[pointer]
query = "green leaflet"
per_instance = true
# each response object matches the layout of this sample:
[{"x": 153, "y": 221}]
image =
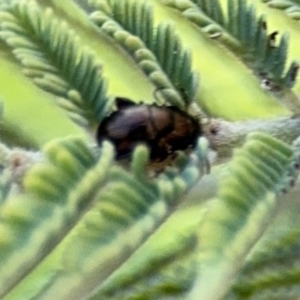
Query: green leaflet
[
  {"x": 63, "y": 229},
  {"x": 96, "y": 245},
  {"x": 246, "y": 202},
  {"x": 272, "y": 271},
  {"x": 246, "y": 35},
  {"x": 212, "y": 9},
  {"x": 130, "y": 23},
  {"x": 83, "y": 209},
  {"x": 51, "y": 56},
  {"x": 290, "y": 7},
  {"x": 36, "y": 222},
  {"x": 164, "y": 271}
]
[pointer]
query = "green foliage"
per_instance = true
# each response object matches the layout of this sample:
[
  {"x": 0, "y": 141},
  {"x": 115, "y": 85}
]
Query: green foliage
[
  {"x": 240, "y": 195},
  {"x": 49, "y": 54},
  {"x": 86, "y": 208},
  {"x": 77, "y": 224},
  {"x": 290, "y": 7},
  {"x": 245, "y": 34},
  {"x": 247, "y": 198},
  {"x": 272, "y": 272},
  {"x": 168, "y": 68}
]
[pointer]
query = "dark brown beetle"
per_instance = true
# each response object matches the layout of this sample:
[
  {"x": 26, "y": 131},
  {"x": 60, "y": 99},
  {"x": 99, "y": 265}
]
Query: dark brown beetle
[{"x": 164, "y": 129}]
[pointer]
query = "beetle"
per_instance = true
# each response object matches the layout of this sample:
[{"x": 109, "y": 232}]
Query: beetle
[{"x": 164, "y": 129}]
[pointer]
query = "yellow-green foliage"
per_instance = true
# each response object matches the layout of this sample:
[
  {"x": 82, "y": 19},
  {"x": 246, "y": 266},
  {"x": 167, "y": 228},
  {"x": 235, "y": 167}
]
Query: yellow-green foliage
[{"x": 80, "y": 225}]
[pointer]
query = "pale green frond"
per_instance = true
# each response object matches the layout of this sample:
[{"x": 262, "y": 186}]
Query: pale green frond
[
  {"x": 243, "y": 32},
  {"x": 128, "y": 210},
  {"x": 256, "y": 173},
  {"x": 162, "y": 40},
  {"x": 136, "y": 17},
  {"x": 290, "y": 7},
  {"x": 213, "y": 9},
  {"x": 175, "y": 61},
  {"x": 157, "y": 50},
  {"x": 262, "y": 51},
  {"x": 193, "y": 13},
  {"x": 51, "y": 56},
  {"x": 80, "y": 225},
  {"x": 167, "y": 275},
  {"x": 272, "y": 272},
  {"x": 246, "y": 202},
  {"x": 83, "y": 210},
  {"x": 57, "y": 196}
]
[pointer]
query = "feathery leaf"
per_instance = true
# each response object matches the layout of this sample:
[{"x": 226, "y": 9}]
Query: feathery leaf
[
  {"x": 246, "y": 35},
  {"x": 50, "y": 54},
  {"x": 157, "y": 50},
  {"x": 290, "y": 7},
  {"x": 56, "y": 199},
  {"x": 272, "y": 271},
  {"x": 91, "y": 207},
  {"x": 247, "y": 199},
  {"x": 166, "y": 275}
]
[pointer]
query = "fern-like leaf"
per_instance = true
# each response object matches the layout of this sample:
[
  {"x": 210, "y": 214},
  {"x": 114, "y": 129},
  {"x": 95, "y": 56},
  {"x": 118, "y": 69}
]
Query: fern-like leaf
[
  {"x": 290, "y": 7},
  {"x": 247, "y": 199},
  {"x": 91, "y": 207},
  {"x": 167, "y": 271},
  {"x": 212, "y": 9},
  {"x": 130, "y": 206},
  {"x": 39, "y": 221},
  {"x": 50, "y": 55},
  {"x": 272, "y": 272},
  {"x": 168, "y": 67},
  {"x": 246, "y": 35}
]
